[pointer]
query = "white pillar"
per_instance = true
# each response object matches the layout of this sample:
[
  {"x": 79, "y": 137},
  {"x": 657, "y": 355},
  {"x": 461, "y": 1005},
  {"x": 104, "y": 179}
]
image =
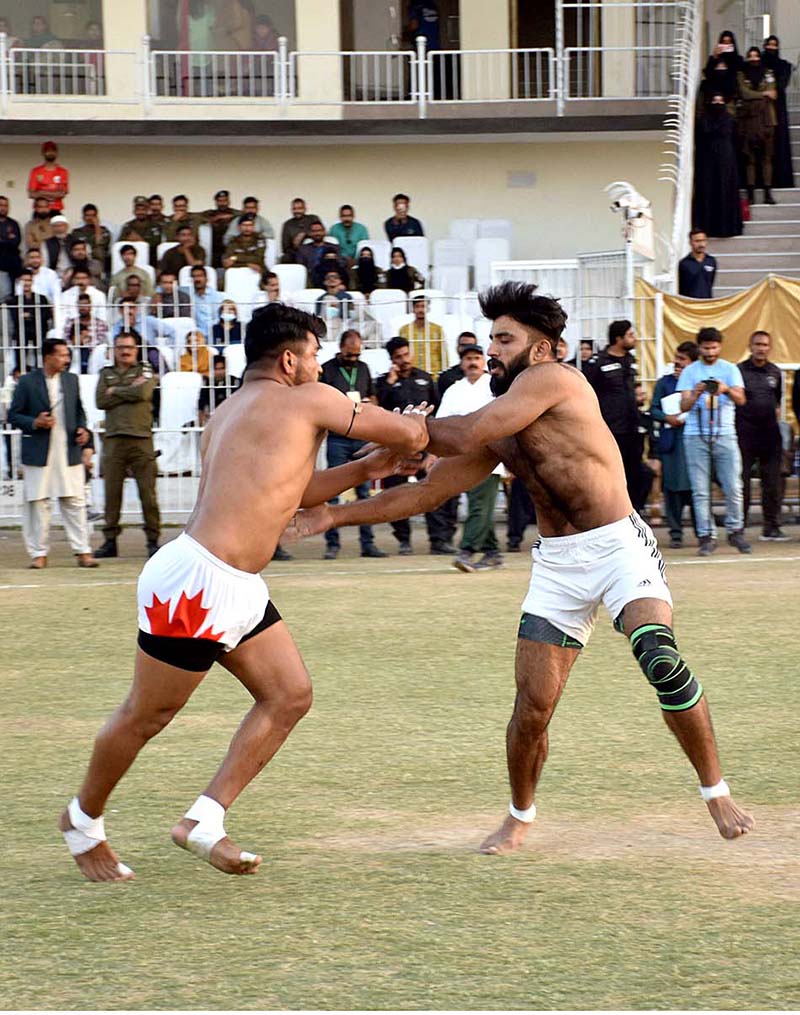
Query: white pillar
[
  {"x": 124, "y": 26},
  {"x": 318, "y": 27},
  {"x": 619, "y": 69},
  {"x": 485, "y": 76}
]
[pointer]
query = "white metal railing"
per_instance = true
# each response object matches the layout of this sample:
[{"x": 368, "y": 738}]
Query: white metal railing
[
  {"x": 365, "y": 77},
  {"x": 64, "y": 73},
  {"x": 618, "y": 72},
  {"x": 491, "y": 75},
  {"x": 212, "y": 75}
]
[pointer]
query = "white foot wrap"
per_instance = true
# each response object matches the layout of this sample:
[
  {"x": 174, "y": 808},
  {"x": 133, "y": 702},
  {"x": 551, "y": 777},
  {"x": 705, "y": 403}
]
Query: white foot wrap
[
  {"x": 209, "y": 829},
  {"x": 712, "y": 792},
  {"x": 86, "y": 833},
  {"x": 527, "y": 815}
]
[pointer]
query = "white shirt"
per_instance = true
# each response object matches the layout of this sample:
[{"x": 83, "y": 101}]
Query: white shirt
[
  {"x": 46, "y": 283},
  {"x": 464, "y": 397},
  {"x": 69, "y": 302}
]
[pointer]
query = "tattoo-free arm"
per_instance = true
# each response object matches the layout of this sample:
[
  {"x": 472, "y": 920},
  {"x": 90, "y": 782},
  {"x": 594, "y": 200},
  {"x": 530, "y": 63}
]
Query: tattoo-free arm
[
  {"x": 333, "y": 410},
  {"x": 328, "y": 483}
]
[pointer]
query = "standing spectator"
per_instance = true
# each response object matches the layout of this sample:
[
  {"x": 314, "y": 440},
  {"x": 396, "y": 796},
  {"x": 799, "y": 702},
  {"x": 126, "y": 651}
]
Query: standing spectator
[
  {"x": 80, "y": 260},
  {"x": 263, "y": 227},
  {"x": 38, "y": 228},
  {"x": 47, "y": 408},
  {"x": 234, "y": 28},
  {"x": 181, "y": 216},
  {"x": 782, "y": 169},
  {"x": 405, "y": 384},
  {"x": 710, "y": 390},
  {"x": 248, "y": 249},
  {"x": 757, "y": 427},
  {"x": 297, "y": 228},
  {"x": 758, "y": 119},
  {"x": 86, "y": 331},
  {"x": 587, "y": 351},
  {"x": 205, "y": 302},
  {"x": 6, "y": 398},
  {"x": 469, "y": 394},
  {"x": 131, "y": 268},
  {"x": 49, "y": 179},
  {"x": 366, "y": 275},
  {"x": 521, "y": 514},
  {"x": 45, "y": 280},
  {"x": 349, "y": 233},
  {"x": 188, "y": 251},
  {"x": 169, "y": 300},
  {"x": 227, "y": 330},
  {"x": 12, "y": 40},
  {"x": 10, "y": 241},
  {"x": 448, "y": 377},
  {"x": 40, "y": 36},
  {"x": 425, "y": 338},
  {"x": 402, "y": 275},
  {"x": 56, "y": 249},
  {"x": 310, "y": 252},
  {"x": 348, "y": 373},
  {"x": 696, "y": 271},
  {"x": 675, "y": 484},
  {"x": 612, "y": 374},
  {"x": 214, "y": 394},
  {"x": 95, "y": 235},
  {"x": 144, "y": 228},
  {"x": 717, "y": 209},
  {"x": 722, "y": 69},
  {"x": 265, "y": 37},
  {"x": 27, "y": 316},
  {"x": 125, "y": 392},
  {"x": 423, "y": 19},
  {"x": 220, "y": 218},
  {"x": 401, "y": 223}
]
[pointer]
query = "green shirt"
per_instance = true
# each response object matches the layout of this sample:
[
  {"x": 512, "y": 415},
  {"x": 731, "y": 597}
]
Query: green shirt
[
  {"x": 129, "y": 409},
  {"x": 349, "y": 237}
]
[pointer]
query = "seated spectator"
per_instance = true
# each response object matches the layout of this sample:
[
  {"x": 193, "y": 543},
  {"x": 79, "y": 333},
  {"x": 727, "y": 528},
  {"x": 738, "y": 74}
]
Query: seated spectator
[
  {"x": 86, "y": 331},
  {"x": 196, "y": 356},
  {"x": 366, "y": 275},
  {"x": 133, "y": 290},
  {"x": 130, "y": 268},
  {"x": 425, "y": 338},
  {"x": 402, "y": 275},
  {"x": 722, "y": 68},
  {"x": 45, "y": 280},
  {"x": 466, "y": 339},
  {"x": 401, "y": 223},
  {"x": 56, "y": 249},
  {"x": 248, "y": 249},
  {"x": 39, "y": 227},
  {"x": 310, "y": 252},
  {"x": 12, "y": 40},
  {"x": 214, "y": 394},
  {"x": 188, "y": 251},
  {"x": 205, "y": 302},
  {"x": 82, "y": 283},
  {"x": 263, "y": 227},
  {"x": 296, "y": 229},
  {"x": 27, "y": 316},
  {"x": 181, "y": 216},
  {"x": 97, "y": 238},
  {"x": 330, "y": 261},
  {"x": 265, "y": 37},
  {"x": 349, "y": 233},
  {"x": 696, "y": 271},
  {"x": 335, "y": 305},
  {"x": 144, "y": 228},
  {"x": 151, "y": 330},
  {"x": 40, "y": 33},
  {"x": 757, "y": 120},
  {"x": 168, "y": 299},
  {"x": 228, "y": 329},
  {"x": 270, "y": 287},
  {"x": 219, "y": 218},
  {"x": 81, "y": 261}
]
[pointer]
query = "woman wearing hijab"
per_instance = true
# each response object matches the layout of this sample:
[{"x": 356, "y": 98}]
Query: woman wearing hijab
[
  {"x": 757, "y": 121},
  {"x": 782, "y": 171},
  {"x": 367, "y": 276},
  {"x": 402, "y": 275},
  {"x": 717, "y": 210},
  {"x": 722, "y": 69},
  {"x": 196, "y": 357},
  {"x": 227, "y": 330}
]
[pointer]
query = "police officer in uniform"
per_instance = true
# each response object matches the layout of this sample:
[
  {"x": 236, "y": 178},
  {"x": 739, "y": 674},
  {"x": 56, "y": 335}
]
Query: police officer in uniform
[
  {"x": 246, "y": 250},
  {"x": 125, "y": 391},
  {"x": 220, "y": 217},
  {"x": 142, "y": 229}
]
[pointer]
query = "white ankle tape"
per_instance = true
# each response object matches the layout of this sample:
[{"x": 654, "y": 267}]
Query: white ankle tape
[
  {"x": 86, "y": 832},
  {"x": 712, "y": 792},
  {"x": 527, "y": 815},
  {"x": 209, "y": 815}
]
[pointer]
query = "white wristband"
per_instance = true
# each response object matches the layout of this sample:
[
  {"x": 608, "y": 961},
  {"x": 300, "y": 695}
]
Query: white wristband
[
  {"x": 526, "y": 816},
  {"x": 712, "y": 792}
]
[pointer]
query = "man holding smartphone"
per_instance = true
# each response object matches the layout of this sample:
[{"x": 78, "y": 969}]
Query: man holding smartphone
[{"x": 711, "y": 388}]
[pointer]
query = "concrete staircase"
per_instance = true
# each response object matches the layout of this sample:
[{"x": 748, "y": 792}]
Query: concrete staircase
[{"x": 770, "y": 243}]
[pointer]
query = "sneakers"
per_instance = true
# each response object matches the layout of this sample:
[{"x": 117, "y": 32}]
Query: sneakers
[
  {"x": 489, "y": 560},
  {"x": 707, "y": 546},
  {"x": 774, "y": 535},
  {"x": 281, "y": 554},
  {"x": 331, "y": 553},
  {"x": 108, "y": 549},
  {"x": 404, "y": 549},
  {"x": 373, "y": 551},
  {"x": 513, "y": 548},
  {"x": 676, "y": 544},
  {"x": 737, "y": 539},
  {"x": 463, "y": 561},
  {"x": 442, "y": 549}
]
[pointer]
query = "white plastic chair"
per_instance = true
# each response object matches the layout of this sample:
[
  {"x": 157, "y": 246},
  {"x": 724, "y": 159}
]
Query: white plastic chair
[
  {"x": 327, "y": 350},
  {"x": 488, "y": 249},
  {"x": 205, "y": 237},
  {"x": 453, "y": 325},
  {"x": 241, "y": 286},
  {"x": 495, "y": 229},
  {"x": 181, "y": 327},
  {"x": 292, "y": 277},
  {"x": 167, "y": 355},
  {"x": 416, "y": 250},
  {"x": 451, "y": 254},
  {"x": 113, "y": 228},
  {"x": 397, "y": 323},
  {"x": 306, "y": 299},
  {"x": 466, "y": 303},
  {"x": 142, "y": 254},
  {"x": 465, "y": 230},
  {"x": 235, "y": 360},
  {"x": 271, "y": 254},
  {"x": 332, "y": 240},
  {"x": 180, "y": 392},
  {"x": 87, "y": 385},
  {"x": 97, "y": 360},
  {"x": 162, "y": 248},
  {"x": 483, "y": 329},
  {"x": 377, "y": 360},
  {"x": 185, "y": 277},
  {"x": 437, "y": 301},
  {"x": 450, "y": 280},
  {"x": 386, "y": 304},
  {"x": 381, "y": 251}
]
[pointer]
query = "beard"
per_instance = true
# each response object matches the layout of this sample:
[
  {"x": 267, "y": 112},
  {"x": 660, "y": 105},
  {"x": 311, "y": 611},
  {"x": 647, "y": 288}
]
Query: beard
[{"x": 502, "y": 381}]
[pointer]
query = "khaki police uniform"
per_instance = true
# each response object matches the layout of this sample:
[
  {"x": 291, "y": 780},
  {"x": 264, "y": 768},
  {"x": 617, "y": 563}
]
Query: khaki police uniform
[
  {"x": 149, "y": 231},
  {"x": 218, "y": 229},
  {"x": 246, "y": 250},
  {"x": 128, "y": 444},
  {"x": 193, "y": 219}
]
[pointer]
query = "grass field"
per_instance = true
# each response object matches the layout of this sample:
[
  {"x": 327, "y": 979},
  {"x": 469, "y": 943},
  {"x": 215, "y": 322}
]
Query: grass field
[{"x": 372, "y": 894}]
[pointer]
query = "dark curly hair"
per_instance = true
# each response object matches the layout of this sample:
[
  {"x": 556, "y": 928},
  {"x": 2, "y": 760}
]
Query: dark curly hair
[
  {"x": 519, "y": 300},
  {"x": 276, "y": 327}
]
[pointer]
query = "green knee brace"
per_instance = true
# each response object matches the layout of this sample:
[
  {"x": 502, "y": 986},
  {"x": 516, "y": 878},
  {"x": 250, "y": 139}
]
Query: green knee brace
[{"x": 657, "y": 654}]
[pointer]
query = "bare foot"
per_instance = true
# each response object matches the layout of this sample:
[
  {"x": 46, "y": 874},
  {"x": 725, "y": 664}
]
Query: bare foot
[
  {"x": 225, "y": 855},
  {"x": 731, "y": 820},
  {"x": 508, "y": 837},
  {"x": 100, "y": 863}
]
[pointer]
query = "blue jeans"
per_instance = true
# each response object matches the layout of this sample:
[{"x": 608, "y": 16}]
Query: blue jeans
[
  {"x": 341, "y": 451},
  {"x": 728, "y": 473}
]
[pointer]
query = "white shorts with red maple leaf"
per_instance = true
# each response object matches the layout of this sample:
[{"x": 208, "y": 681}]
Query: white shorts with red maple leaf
[{"x": 186, "y": 592}]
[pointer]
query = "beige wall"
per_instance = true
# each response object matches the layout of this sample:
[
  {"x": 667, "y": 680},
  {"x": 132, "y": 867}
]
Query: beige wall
[{"x": 564, "y": 213}]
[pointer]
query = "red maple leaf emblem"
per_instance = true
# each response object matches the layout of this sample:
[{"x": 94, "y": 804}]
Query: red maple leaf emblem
[{"x": 189, "y": 617}]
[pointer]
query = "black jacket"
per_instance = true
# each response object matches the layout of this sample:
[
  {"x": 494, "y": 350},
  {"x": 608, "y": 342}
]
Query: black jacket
[
  {"x": 31, "y": 398},
  {"x": 614, "y": 381},
  {"x": 764, "y": 389},
  {"x": 418, "y": 387}
]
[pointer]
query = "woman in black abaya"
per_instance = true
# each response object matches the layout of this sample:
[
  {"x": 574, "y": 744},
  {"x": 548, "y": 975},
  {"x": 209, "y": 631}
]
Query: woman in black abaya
[
  {"x": 716, "y": 209},
  {"x": 721, "y": 69},
  {"x": 782, "y": 172}
]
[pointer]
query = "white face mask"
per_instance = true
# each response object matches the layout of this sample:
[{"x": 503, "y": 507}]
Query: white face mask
[{"x": 228, "y": 317}]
